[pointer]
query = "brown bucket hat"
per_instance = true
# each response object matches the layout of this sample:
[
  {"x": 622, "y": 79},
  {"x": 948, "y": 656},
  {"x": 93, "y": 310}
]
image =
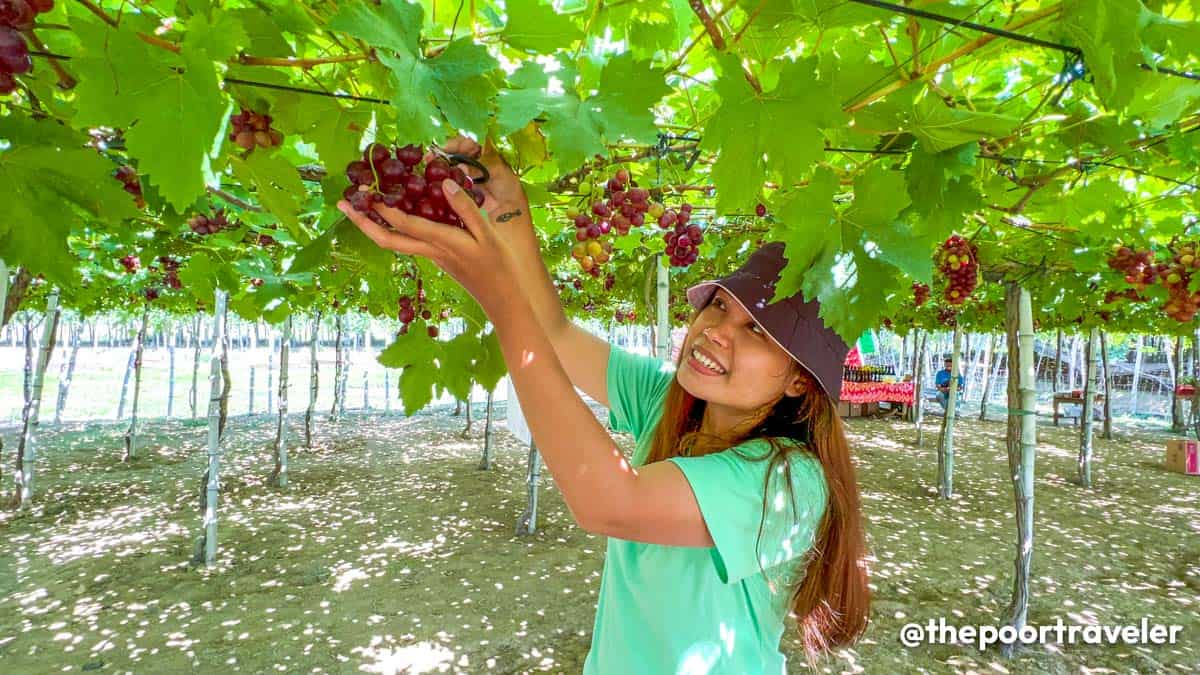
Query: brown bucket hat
[{"x": 793, "y": 323}]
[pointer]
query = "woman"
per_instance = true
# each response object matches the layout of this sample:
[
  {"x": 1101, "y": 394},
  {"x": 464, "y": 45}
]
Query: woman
[{"x": 739, "y": 506}]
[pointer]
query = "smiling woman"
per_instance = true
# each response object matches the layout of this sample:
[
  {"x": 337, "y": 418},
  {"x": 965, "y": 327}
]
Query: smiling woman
[{"x": 739, "y": 506}]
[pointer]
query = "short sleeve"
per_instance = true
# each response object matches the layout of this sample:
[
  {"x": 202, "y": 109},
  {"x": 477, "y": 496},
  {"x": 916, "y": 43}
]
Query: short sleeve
[
  {"x": 636, "y": 386},
  {"x": 730, "y": 487}
]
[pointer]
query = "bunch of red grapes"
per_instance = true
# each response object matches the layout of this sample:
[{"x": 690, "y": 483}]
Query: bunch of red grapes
[
  {"x": 947, "y": 317},
  {"x": 622, "y": 316},
  {"x": 202, "y": 224},
  {"x": 129, "y": 178},
  {"x": 623, "y": 207},
  {"x": 920, "y": 293},
  {"x": 958, "y": 262},
  {"x": 408, "y": 313},
  {"x": 17, "y": 16},
  {"x": 684, "y": 239},
  {"x": 170, "y": 267},
  {"x": 251, "y": 130},
  {"x": 399, "y": 178},
  {"x": 1181, "y": 304},
  {"x": 1137, "y": 266},
  {"x": 130, "y": 263}
]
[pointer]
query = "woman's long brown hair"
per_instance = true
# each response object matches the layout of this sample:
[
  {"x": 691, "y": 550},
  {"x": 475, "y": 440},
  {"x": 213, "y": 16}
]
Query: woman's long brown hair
[{"x": 831, "y": 603}]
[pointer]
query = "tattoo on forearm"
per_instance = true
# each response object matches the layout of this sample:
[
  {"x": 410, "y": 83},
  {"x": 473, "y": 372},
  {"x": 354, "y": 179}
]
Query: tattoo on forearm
[{"x": 505, "y": 217}]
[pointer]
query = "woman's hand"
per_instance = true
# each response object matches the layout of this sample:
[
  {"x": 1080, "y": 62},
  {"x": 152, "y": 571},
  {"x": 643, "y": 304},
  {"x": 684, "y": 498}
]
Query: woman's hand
[
  {"x": 503, "y": 195},
  {"x": 475, "y": 255}
]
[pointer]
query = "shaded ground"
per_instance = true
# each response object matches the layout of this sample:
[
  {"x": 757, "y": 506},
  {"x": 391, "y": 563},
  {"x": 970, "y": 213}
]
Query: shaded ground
[{"x": 391, "y": 552}]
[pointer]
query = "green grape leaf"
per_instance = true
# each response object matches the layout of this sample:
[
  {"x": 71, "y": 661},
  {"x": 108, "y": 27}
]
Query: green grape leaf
[
  {"x": 334, "y": 129},
  {"x": 46, "y": 169},
  {"x": 490, "y": 366},
  {"x": 538, "y": 28},
  {"x": 858, "y": 294},
  {"x": 1110, "y": 34},
  {"x": 277, "y": 182},
  {"x": 220, "y": 39},
  {"x": 808, "y": 229},
  {"x": 939, "y": 127},
  {"x": 394, "y": 24},
  {"x": 456, "y": 364},
  {"x": 785, "y": 122},
  {"x": 879, "y": 195},
  {"x": 160, "y": 96},
  {"x": 417, "y": 385}
]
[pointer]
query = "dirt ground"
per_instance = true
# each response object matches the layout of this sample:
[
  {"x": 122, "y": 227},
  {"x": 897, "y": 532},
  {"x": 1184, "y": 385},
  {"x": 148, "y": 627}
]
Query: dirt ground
[{"x": 390, "y": 552}]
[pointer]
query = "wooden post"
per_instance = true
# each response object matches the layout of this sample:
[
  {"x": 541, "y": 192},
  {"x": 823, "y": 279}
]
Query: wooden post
[
  {"x": 206, "y": 545},
  {"x": 1107, "y": 387},
  {"x": 1021, "y": 443},
  {"x": 312, "y": 380},
  {"x": 1085, "y": 424},
  {"x": 662, "y": 319},
  {"x": 527, "y": 523},
  {"x": 279, "y": 477},
  {"x": 486, "y": 462}
]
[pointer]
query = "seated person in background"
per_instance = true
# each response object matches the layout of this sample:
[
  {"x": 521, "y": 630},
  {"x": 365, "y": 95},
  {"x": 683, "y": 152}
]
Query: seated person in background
[{"x": 942, "y": 381}]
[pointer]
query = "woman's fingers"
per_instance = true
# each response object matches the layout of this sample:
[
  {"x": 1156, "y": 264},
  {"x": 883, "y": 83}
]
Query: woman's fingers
[
  {"x": 460, "y": 200},
  {"x": 394, "y": 241},
  {"x": 445, "y": 237}
]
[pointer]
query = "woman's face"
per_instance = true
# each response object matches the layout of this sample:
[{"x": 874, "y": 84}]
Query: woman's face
[{"x": 736, "y": 367}]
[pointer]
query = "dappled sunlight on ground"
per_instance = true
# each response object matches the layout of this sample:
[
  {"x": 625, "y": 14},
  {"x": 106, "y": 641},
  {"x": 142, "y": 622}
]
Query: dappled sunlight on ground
[{"x": 391, "y": 552}]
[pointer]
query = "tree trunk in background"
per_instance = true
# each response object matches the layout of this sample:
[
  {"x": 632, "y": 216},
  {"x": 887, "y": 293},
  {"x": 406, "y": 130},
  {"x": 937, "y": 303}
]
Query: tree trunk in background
[
  {"x": 337, "y": 369},
  {"x": 1085, "y": 425},
  {"x": 195, "y": 363},
  {"x": 131, "y": 432},
  {"x": 27, "y": 445},
  {"x": 486, "y": 462},
  {"x": 64, "y": 385},
  {"x": 1058, "y": 361},
  {"x": 227, "y": 379},
  {"x": 210, "y": 486},
  {"x": 1107, "y": 387},
  {"x": 918, "y": 400},
  {"x": 946, "y": 441},
  {"x": 1021, "y": 443},
  {"x": 1176, "y": 403},
  {"x": 1071, "y": 371},
  {"x": 171, "y": 340},
  {"x": 366, "y": 391},
  {"x": 125, "y": 383},
  {"x": 987, "y": 376},
  {"x": 466, "y": 432},
  {"x": 312, "y": 381},
  {"x": 279, "y": 476},
  {"x": 15, "y": 293},
  {"x": 271, "y": 371},
  {"x": 1137, "y": 374},
  {"x": 251, "y": 403}
]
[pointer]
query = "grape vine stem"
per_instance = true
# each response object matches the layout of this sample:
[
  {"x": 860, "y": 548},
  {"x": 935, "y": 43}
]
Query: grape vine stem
[
  {"x": 240, "y": 203},
  {"x": 65, "y": 79},
  {"x": 244, "y": 59},
  {"x": 968, "y": 48}
]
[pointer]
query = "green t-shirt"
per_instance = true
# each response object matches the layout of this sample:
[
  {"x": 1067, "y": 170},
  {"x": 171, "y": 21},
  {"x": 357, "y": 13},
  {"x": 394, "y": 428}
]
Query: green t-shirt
[{"x": 678, "y": 609}]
